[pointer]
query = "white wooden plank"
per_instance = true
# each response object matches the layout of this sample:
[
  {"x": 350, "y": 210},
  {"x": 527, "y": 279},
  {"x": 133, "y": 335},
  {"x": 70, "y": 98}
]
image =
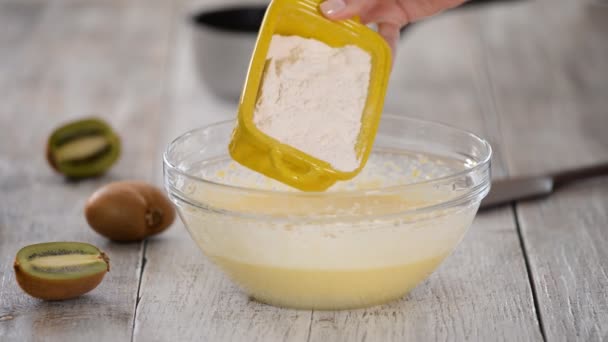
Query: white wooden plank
[
  {"x": 566, "y": 241},
  {"x": 71, "y": 60},
  {"x": 550, "y": 80}
]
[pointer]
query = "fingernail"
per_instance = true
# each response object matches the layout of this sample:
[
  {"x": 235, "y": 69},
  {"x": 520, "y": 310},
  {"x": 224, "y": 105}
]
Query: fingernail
[{"x": 331, "y": 7}]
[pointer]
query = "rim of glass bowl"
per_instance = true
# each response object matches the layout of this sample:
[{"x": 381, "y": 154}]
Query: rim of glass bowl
[{"x": 483, "y": 164}]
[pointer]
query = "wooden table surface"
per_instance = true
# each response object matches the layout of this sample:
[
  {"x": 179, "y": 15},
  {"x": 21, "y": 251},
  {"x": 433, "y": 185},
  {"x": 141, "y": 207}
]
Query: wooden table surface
[{"x": 531, "y": 76}]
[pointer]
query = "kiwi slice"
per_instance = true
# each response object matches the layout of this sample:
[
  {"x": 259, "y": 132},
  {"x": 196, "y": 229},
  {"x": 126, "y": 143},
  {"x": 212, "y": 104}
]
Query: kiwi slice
[
  {"x": 83, "y": 148},
  {"x": 60, "y": 270}
]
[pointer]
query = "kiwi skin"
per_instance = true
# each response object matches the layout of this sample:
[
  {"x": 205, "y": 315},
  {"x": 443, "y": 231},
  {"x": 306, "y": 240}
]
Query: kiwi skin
[{"x": 58, "y": 289}]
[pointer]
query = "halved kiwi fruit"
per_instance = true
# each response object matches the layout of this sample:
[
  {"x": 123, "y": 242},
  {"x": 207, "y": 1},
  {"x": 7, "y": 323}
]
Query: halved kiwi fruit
[
  {"x": 60, "y": 270},
  {"x": 83, "y": 148}
]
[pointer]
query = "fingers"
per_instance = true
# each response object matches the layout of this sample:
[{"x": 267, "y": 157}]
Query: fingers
[
  {"x": 370, "y": 11},
  {"x": 391, "y": 34},
  {"x": 343, "y": 9}
]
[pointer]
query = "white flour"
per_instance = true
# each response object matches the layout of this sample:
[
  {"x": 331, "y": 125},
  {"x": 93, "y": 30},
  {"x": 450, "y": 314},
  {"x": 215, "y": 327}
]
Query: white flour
[{"x": 312, "y": 98}]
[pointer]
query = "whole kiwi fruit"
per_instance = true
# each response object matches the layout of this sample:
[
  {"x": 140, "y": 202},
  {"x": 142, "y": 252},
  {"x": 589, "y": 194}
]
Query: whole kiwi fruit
[{"x": 129, "y": 211}]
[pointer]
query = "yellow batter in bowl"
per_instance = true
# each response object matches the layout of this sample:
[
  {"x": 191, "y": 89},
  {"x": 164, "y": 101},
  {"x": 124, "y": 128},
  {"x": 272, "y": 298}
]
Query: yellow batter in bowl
[{"x": 364, "y": 242}]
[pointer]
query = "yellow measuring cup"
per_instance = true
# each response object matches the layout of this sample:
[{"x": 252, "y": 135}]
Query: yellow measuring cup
[{"x": 264, "y": 154}]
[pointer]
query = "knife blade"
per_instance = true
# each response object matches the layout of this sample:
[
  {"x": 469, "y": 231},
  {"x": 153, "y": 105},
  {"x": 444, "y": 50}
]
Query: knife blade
[{"x": 510, "y": 190}]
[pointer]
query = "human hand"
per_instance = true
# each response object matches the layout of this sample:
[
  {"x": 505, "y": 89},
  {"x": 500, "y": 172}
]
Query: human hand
[{"x": 389, "y": 15}]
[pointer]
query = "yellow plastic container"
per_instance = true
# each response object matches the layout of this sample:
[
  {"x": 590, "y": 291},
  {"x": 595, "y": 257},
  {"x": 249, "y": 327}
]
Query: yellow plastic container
[{"x": 264, "y": 154}]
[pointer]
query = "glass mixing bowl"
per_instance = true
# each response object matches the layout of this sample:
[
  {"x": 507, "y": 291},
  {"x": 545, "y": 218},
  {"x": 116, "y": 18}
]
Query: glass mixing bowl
[{"x": 363, "y": 242}]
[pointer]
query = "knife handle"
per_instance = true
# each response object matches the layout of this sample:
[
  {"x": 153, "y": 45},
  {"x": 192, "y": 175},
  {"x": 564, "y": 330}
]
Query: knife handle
[{"x": 563, "y": 178}]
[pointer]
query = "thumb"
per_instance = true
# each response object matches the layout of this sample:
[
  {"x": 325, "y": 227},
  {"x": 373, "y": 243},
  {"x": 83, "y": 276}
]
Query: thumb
[{"x": 343, "y": 9}]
